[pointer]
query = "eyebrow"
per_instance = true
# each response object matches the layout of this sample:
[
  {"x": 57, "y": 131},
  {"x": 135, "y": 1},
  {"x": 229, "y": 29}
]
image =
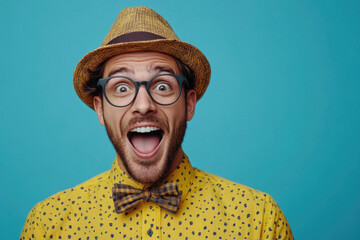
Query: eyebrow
[
  {"x": 167, "y": 69},
  {"x": 120, "y": 70}
]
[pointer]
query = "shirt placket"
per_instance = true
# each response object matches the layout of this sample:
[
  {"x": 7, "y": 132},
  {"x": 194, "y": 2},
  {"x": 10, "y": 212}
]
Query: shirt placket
[{"x": 151, "y": 225}]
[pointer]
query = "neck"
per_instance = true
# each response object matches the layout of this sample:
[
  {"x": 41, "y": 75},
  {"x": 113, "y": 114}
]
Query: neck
[{"x": 177, "y": 160}]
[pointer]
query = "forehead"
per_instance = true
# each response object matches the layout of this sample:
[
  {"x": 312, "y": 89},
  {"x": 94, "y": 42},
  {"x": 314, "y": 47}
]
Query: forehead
[{"x": 141, "y": 61}]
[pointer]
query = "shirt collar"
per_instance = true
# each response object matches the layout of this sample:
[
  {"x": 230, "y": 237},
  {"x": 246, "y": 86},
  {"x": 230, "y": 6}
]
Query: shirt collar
[{"x": 182, "y": 175}]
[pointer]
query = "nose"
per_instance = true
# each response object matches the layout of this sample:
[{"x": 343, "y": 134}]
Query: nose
[{"x": 143, "y": 104}]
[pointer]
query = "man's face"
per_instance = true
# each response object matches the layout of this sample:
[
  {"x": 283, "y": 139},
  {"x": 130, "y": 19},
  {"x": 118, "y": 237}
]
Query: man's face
[{"x": 147, "y": 137}]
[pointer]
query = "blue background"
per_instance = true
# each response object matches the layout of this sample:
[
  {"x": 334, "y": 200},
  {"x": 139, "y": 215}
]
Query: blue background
[{"x": 281, "y": 113}]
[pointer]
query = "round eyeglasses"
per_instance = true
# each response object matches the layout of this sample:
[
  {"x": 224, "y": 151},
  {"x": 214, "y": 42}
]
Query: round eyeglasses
[{"x": 121, "y": 91}]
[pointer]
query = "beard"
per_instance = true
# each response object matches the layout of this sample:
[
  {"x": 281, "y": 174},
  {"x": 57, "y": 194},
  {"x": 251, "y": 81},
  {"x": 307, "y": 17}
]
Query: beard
[{"x": 156, "y": 170}]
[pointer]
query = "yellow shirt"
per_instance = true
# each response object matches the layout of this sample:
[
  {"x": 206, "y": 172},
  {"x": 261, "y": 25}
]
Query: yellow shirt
[{"x": 211, "y": 208}]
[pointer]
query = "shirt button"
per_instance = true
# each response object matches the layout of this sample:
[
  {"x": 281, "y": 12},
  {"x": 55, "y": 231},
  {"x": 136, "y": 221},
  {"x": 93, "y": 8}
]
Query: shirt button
[{"x": 150, "y": 232}]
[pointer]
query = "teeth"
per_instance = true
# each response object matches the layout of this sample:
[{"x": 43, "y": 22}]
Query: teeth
[{"x": 145, "y": 129}]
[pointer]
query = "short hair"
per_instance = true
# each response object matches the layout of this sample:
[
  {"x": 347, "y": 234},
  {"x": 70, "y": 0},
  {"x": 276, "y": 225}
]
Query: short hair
[{"x": 92, "y": 89}]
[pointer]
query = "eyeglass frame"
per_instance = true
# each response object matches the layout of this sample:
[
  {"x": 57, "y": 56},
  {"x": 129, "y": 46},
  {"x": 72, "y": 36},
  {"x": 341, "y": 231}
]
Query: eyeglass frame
[{"x": 180, "y": 78}]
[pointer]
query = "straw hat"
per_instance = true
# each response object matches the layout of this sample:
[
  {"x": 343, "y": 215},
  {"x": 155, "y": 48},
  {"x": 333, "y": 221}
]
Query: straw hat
[{"x": 142, "y": 29}]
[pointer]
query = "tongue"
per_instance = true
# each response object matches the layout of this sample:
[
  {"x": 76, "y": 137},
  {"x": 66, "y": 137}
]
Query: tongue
[{"x": 145, "y": 144}]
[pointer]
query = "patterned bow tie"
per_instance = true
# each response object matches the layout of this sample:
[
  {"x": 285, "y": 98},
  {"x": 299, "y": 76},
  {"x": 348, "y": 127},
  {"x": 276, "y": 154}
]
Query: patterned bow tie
[{"x": 166, "y": 196}]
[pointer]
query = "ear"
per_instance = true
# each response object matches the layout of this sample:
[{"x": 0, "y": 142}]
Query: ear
[
  {"x": 98, "y": 106},
  {"x": 190, "y": 104}
]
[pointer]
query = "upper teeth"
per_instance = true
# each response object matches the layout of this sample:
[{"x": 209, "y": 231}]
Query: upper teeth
[{"x": 145, "y": 129}]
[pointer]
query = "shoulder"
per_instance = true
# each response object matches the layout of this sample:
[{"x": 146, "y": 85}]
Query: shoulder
[
  {"x": 229, "y": 191},
  {"x": 249, "y": 203},
  {"x": 80, "y": 194},
  {"x": 226, "y": 185},
  {"x": 74, "y": 201}
]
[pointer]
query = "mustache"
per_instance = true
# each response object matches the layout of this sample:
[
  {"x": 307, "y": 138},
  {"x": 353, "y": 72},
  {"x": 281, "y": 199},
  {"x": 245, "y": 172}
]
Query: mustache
[{"x": 159, "y": 121}]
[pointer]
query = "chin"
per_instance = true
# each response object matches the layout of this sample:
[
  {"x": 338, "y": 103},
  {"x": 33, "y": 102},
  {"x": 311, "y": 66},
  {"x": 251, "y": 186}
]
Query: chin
[{"x": 147, "y": 171}]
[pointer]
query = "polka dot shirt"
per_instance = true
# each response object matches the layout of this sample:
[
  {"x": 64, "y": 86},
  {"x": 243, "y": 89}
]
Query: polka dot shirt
[{"x": 211, "y": 208}]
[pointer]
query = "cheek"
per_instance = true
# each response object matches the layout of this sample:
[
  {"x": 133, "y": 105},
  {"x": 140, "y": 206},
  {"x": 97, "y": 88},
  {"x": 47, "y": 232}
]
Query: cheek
[
  {"x": 176, "y": 115},
  {"x": 114, "y": 118}
]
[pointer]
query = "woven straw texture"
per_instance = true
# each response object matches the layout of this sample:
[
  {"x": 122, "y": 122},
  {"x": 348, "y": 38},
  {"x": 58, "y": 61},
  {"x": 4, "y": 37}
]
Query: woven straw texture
[
  {"x": 142, "y": 19},
  {"x": 139, "y": 19}
]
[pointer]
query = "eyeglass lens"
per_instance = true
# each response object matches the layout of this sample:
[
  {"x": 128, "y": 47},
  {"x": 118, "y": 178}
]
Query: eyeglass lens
[{"x": 164, "y": 89}]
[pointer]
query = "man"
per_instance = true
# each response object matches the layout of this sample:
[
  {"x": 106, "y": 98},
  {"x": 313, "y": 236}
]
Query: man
[{"x": 143, "y": 83}]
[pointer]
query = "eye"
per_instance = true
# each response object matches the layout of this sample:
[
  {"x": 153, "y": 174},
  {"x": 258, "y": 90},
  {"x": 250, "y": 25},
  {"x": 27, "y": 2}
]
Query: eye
[
  {"x": 122, "y": 89},
  {"x": 163, "y": 87}
]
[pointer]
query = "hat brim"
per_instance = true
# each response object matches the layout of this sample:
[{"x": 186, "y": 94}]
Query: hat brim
[{"x": 185, "y": 52}]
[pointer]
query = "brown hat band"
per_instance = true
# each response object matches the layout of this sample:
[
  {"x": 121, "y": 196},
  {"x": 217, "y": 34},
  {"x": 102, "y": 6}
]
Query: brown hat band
[{"x": 135, "y": 37}]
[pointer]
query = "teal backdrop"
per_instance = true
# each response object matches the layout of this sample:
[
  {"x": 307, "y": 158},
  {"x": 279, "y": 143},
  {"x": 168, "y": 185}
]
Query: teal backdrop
[{"x": 281, "y": 113}]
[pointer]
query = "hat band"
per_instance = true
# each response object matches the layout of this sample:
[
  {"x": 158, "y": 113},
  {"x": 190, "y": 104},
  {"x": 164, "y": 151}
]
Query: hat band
[{"x": 135, "y": 37}]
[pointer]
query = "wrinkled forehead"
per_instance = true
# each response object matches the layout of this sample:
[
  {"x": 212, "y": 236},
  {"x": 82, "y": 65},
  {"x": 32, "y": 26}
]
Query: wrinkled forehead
[{"x": 141, "y": 61}]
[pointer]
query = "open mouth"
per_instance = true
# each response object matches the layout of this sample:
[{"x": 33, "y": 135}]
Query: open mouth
[{"x": 145, "y": 140}]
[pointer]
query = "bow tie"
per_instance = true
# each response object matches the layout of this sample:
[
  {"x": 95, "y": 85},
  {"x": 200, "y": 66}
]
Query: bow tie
[{"x": 166, "y": 196}]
